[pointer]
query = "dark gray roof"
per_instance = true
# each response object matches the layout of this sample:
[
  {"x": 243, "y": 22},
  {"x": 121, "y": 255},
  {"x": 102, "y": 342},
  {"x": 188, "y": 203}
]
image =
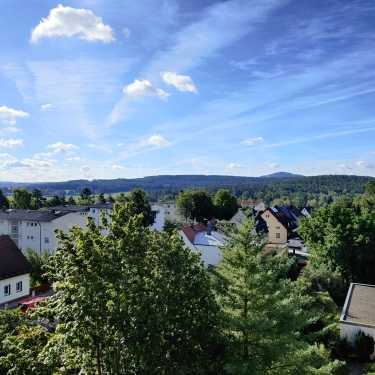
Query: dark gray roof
[
  {"x": 13, "y": 262},
  {"x": 70, "y": 208},
  {"x": 31, "y": 215},
  {"x": 359, "y": 308},
  {"x": 108, "y": 205}
]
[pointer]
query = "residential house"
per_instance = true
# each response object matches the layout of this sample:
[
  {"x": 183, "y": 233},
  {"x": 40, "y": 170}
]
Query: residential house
[
  {"x": 163, "y": 212},
  {"x": 282, "y": 223},
  {"x": 239, "y": 218},
  {"x": 358, "y": 313},
  {"x": 204, "y": 240},
  {"x": 35, "y": 229},
  {"x": 14, "y": 272}
]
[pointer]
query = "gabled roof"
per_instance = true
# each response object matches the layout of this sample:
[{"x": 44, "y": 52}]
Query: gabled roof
[
  {"x": 12, "y": 261},
  {"x": 359, "y": 307},
  {"x": 191, "y": 231},
  {"x": 31, "y": 215},
  {"x": 288, "y": 216}
]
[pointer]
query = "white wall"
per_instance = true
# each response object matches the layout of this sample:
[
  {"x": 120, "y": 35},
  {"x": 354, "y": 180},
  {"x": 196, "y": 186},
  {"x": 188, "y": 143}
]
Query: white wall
[
  {"x": 350, "y": 331},
  {"x": 12, "y": 281}
]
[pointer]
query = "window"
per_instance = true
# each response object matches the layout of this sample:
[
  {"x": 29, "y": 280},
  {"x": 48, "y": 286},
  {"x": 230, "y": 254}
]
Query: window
[
  {"x": 19, "y": 286},
  {"x": 277, "y": 227},
  {"x": 277, "y": 235},
  {"x": 46, "y": 240},
  {"x": 7, "y": 290}
]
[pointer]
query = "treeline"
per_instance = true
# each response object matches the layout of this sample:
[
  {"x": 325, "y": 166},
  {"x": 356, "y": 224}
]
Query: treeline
[{"x": 158, "y": 186}]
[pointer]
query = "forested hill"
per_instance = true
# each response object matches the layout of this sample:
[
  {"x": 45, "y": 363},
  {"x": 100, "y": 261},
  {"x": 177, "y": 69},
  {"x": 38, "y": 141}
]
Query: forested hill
[{"x": 171, "y": 184}]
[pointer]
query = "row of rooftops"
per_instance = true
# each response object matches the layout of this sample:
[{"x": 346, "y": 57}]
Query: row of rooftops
[{"x": 49, "y": 214}]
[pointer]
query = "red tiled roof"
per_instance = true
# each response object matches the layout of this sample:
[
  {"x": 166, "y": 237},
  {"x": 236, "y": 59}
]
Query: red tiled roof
[
  {"x": 31, "y": 301},
  {"x": 191, "y": 231}
]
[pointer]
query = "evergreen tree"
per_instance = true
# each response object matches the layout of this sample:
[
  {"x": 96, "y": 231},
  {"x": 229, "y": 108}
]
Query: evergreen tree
[{"x": 263, "y": 314}]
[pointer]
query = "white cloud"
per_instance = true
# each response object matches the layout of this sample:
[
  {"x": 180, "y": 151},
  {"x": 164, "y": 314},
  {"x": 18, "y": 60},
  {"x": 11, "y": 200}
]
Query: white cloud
[
  {"x": 140, "y": 88},
  {"x": 10, "y": 115},
  {"x": 74, "y": 158},
  {"x": 253, "y": 141},
  {"x": 62, "y": 147},
  {"x": 180, "y": 82},
  {"x": 273, "y": 165},
  {"x": 233, "y": 166},
  {"x": 155, "y": 140},
  {"x": 117, "y": 167},
  {"x": 86, "y": 170},
  {"x": 46, "y": 107},
  {"x": 365, "y": 164},
  {"x": 71, "y": 22},
  {"x": 10, "y": 143}
]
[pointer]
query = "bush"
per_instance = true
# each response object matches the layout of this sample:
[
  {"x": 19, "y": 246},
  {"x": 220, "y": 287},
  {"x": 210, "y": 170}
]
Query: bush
[
  {"x": 342, "y": 349},
  {"x": 363, "y": 346}
]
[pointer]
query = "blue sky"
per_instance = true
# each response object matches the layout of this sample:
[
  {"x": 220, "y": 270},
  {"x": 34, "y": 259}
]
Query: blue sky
[{"x": 124, "y": 88}]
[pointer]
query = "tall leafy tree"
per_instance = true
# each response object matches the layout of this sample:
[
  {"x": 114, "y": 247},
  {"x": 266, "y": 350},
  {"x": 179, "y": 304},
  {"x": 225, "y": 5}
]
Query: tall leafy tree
[
  {"x": 263, "y": 314},
  {"x": 4, "y": 202},
  {"x": 225, "y": 204},
  {"x": 132, "y": 302},
  {"x": 195, "y": 205},
  {"x": 100, "y": 198},
  {"x": 140, "y": 205},
  {"x": 184, "y": 203},
  {"x": 341, "y": 237},
  {"x": 86, "y": 195},
  {"x": 21, "y": 198},
  {"x": 37, "y": 199}
]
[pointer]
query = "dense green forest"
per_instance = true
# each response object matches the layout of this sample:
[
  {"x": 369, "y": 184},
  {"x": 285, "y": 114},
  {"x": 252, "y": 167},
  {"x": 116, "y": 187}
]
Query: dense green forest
[{"x": 261, "y": 188}]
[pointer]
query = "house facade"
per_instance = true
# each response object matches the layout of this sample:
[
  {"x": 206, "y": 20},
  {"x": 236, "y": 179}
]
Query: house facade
[
  {"x": 282, "y": 223},
  {"x": 358, "y": 314},
  {"x": 200, "y": 239},
  {"x": 163, "y": 212},
  {"x": 14, "y": 272},
  {"x": 31, "y": 229}
]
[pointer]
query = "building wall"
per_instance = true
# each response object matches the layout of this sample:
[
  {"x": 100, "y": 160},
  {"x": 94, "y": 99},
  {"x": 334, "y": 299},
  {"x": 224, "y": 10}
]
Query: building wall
[
  {"x": 277, "y": 233},
  {"x": 349, "y": 331},
  {"x": 13, "y": 281},
  {"x": 97, "y": 215}
]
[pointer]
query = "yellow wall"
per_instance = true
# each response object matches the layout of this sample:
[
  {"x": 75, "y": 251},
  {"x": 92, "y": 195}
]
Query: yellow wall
[{"x": 277, "y": 233}]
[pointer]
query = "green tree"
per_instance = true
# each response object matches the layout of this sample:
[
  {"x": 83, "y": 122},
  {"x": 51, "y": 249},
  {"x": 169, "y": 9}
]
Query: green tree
[
  {"x": 21, "y": 198},
  {"x": 86, "y": 195},
  {"x": 38, "y": 263},
  {"x": 225, "y": 204},
  {"x": 100, "y": 198},
  {"x": 37, "y": 199},
  {"x": 195, "y": 205},
  {"x": 72, "y": 201},
  {"x": 184, "y": 203},
  {"x": 4, "y": 202},
  {"x": 133, "y": 301},
  {"x": 263, "y": 313},
  {"x": 55, "y": 201},
  {"x": 140, "y": 205},
  {"x": 341, "y": 238}
]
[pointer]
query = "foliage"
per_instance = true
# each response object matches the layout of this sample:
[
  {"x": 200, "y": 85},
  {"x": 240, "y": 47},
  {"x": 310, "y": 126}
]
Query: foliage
[
  {"x": 134, "y": 301},
  {"x": 195, "y": 205},
  {"x": 341, "y": 238},
  {"x": 363, "y": 346},
  {"x": 4, "y": 202},
  {"x": 86, "y": 196},
  {"x": 100, "y": 198},
  {"x": 170, "y": 226},
  {"x": 21, "y": 198},
  {"x": 225, "y": 204},
  {"x": 38, "y": 263},
  {"x": 263, "y": 313},
  {"x": 141, "y": 206},
  {"x": 55, "y": 201},
  {"x": 37, "y": 199},
  {"x": 71, "y": 201}
]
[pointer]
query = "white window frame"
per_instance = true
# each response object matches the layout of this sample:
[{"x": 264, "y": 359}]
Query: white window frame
[
  {"x": 7, "y": 290},
  {"x": 19, "y": 286}
]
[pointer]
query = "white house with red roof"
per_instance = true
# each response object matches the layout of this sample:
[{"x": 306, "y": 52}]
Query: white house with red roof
[{"x": 205, "y": 241}]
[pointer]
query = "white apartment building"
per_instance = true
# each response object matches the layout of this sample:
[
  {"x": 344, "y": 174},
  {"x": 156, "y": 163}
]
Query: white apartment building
[
  {"x": 163, "y": 212},
  {"x": 14, "y": 272},
  {"x": 35, "y": 229}
]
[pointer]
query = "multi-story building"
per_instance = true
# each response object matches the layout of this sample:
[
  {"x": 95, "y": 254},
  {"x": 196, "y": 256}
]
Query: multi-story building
[
  {"x": 36, "y": 229},
  {"x": 14, "y": 272}
]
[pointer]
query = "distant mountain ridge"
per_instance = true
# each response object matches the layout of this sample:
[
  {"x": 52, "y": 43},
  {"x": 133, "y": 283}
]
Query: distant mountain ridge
[
  {"x": 174, "y": 183},
  {"x": 282, "y": 175}
]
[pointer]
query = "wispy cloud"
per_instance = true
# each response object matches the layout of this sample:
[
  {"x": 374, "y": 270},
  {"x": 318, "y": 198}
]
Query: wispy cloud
[
  {"x": 10, "y": 115},
  {"x": 180, "y": 82},
  {"x": 10, "y": 143}
]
